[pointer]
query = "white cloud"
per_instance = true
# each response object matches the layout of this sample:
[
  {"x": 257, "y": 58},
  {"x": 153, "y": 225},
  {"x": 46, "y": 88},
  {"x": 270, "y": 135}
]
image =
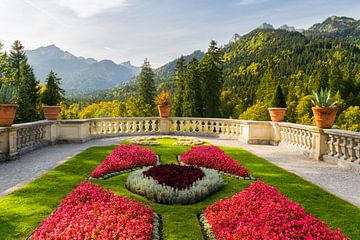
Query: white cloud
[
  {"x": 88, "y": 8},
  {"x": 249, "y": 2}
]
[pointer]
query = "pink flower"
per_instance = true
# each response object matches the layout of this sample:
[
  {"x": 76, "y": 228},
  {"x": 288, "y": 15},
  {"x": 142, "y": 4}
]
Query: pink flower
[
  {"x": 213, "y": 157},
  {"x": 261, "y": 212},
  {"x": 90, "y": 212},
  {"x": 125, "y": 157}
]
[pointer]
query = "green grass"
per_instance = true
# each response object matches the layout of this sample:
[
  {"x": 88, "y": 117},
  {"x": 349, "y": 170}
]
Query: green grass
[{"x": 22, "y": 211}]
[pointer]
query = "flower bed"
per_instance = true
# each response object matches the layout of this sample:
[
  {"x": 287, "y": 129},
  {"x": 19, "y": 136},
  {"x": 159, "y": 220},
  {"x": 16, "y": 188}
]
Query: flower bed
[
  {"x": 261, "y": 212},
  {"x": 142, "y": 182},
  {"x": 180, "y": 141},
  {"x": 90, "y": 212},
  {"x": 214, "y": 158},
  {"x": 123, "y": 158},
  {"x": 176, "y": 176}
]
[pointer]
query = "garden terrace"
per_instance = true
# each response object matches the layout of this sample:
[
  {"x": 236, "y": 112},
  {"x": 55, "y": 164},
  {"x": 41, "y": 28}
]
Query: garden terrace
[{"x": 34, "y": 202}]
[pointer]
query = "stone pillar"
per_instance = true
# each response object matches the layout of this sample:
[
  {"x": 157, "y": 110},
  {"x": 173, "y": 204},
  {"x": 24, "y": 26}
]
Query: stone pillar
[
  {"x": 319, "y": 147},
  {"x": 51, "y": 133},
  {"x": 13, "y": 153},
  {"x": 276, "y": 134},
  {"x": 164, "y": 126}
]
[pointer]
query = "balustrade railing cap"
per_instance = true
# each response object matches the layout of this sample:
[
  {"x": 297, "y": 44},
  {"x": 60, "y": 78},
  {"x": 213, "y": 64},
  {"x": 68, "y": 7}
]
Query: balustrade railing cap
[
  {"x": 296, "y": 125},
  {"x": 340, "y": 132}
]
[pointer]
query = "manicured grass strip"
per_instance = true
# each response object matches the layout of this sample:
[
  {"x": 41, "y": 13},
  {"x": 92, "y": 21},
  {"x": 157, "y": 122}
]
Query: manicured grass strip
[{"x": 23, "y": 210}]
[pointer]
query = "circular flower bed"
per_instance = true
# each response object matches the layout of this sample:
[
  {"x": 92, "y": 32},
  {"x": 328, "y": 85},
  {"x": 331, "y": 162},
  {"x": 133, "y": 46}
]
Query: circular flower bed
[
  {"x": 180, "y": 141},
  {"x": 174, "y": 184},
  {"x": 145, "y": 140},
  {"x": 188, "y": 141}
]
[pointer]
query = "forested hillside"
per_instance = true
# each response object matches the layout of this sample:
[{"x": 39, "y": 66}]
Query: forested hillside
[{"x": 253, "y": 65}]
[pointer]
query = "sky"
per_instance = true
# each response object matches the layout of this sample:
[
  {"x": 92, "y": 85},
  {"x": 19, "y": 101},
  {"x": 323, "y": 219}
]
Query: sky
[{"x": 160, "y": 30}]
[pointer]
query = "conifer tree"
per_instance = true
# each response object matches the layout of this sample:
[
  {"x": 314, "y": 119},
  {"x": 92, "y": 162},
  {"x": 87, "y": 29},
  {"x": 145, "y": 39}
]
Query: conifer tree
[
  {"x": 335, "y": 79},
  {"x": 146, "y": 84},
  {"x": 212, "y": 81},
  {"x": 53, "y": 93},
  {"x": 321, "y": 77},
  {"x": 179, "y": 87},
  {"x": 28, "y": 95},
  {"x": 16, "y": 57},
  {"x": 3, "y": 64},
  {"x": 192, "y": 104}
]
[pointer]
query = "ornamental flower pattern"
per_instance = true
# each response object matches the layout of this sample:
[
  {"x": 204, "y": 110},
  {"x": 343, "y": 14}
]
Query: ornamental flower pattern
[
  {"x": 261, "y": 212},
  {"x": 90, "y": 212},
  {"x": 176, "y": 176},
  {"x": 213, "y": 157},
  {"x": 125, "y": 157}
]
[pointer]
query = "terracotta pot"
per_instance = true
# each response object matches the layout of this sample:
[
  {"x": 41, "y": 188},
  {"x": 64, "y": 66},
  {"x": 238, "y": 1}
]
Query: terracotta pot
[
  {"x": 51, "y": 112},
  {"x": 324, "y": 116},
  {"x": 7, "y": 114},
  {"x": 277, "y": 114},
  {"x": 164, "y": 110}
]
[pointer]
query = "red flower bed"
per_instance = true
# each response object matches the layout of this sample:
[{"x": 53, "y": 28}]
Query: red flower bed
[
  {"x": 176, "y": 176},
  {"x": 125, "y": 157},
  {"x": 90, "y": 212},
  {"x": 213, "y": 157},
  {"x": 261, "y": 212}
]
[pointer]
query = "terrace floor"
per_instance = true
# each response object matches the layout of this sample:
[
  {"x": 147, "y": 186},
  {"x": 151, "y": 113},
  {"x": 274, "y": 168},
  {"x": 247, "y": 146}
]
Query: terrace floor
[{"x": 341, "y": 182}]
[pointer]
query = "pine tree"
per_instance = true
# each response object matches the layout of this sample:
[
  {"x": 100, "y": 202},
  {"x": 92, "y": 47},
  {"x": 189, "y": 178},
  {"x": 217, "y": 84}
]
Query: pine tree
[
  {"x": 335, "y": 79},
  {"x": 321, "y": 77},
  {"x": 53, "y": 93},
  {"x": 16, "y": 57},
  {"x": 28, "y": 95},
  {"x": 179, "y": 90},
  {"x": 146, "y": 84},
  {"x": 212, "y": 81},
  {"x": 3, "y": 65},
  {"x": 192, "y": 99}
]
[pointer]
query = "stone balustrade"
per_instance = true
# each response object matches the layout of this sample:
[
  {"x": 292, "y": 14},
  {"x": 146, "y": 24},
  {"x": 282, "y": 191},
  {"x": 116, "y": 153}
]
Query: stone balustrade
[
  {"x": 336, "y": 146},
  {"x": 343, "y": 147}
]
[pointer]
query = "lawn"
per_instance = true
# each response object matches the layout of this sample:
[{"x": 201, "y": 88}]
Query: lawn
[{"x": 22, "y": 211}]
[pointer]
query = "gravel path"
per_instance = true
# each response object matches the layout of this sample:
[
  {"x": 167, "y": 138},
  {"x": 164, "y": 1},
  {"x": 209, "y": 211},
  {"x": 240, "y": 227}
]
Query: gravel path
[{"x": 341, "y": 182}]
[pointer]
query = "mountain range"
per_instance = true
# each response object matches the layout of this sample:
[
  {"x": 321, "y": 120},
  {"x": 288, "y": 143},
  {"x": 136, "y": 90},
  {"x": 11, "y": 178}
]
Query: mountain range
[
  {"x": 78, "y": 72},
  {"x": 88, "y": 74}
]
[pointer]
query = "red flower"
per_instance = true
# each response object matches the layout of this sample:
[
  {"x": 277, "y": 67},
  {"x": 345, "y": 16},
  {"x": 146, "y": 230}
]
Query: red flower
[
  {"x": 213, "y": 157},
  {"x": 90, "y": 212},
  {"x": 125, "y": 157},
  {"x": 261, "y": 212},
  {"x": 176, "y": 176}
]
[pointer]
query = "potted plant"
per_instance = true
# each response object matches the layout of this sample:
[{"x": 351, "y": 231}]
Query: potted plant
[
  {"x": 52, "y": 96},
  {"x": 324, "y": 109},
  {"x": 277, "y": 109},
  {"x": 7, "y": 106},
  {"x": 163, "y": 103}
]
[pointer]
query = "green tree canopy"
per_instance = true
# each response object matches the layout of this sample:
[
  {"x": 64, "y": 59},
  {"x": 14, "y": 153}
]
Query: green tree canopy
[
  {"x": 212, "y": 80},
  {"x": 192, "y": 100},
  {"x": 53, "y": 93},
  {"x": 28, "y": 95},
  {"x": 179, "y": 87},
  {"x": 146, "y": 84}
]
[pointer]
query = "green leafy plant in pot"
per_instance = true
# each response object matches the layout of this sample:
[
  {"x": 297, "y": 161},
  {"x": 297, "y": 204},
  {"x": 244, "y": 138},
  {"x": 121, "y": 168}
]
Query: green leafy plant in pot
[
  {"x": 277, "y": 109},
  {"x": 52, "y": 96},
  {"x": 164, "y": 104},
  {"x": 324, "y": 108},
  {"x": 7, "y": 105}
]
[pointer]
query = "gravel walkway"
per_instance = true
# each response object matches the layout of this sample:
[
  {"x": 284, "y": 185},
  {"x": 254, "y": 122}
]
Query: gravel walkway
[{"x": 341, "y": 182}]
